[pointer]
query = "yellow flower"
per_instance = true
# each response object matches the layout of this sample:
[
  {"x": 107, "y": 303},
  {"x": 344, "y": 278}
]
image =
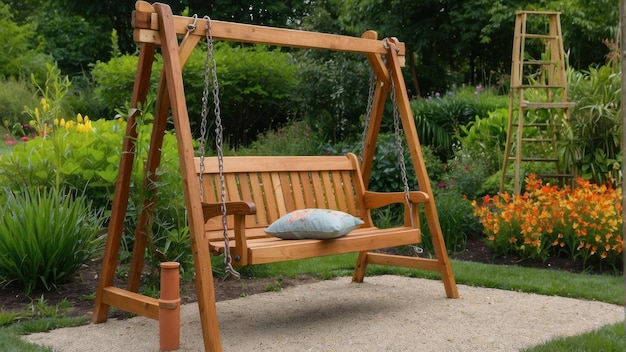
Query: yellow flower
[
  {"x": 79, "y": 118},
  {"x": 45, "y": 106}
]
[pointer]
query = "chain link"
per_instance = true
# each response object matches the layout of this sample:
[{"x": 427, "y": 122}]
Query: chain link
[
  {"x": 204, "y": 115},
  {"x": 368, "y": 112},
  {"x": 210, "y": 72}
]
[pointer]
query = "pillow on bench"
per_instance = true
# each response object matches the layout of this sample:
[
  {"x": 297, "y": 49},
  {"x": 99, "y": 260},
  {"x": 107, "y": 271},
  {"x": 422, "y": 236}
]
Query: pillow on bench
[{"x": 313, "y": 224}]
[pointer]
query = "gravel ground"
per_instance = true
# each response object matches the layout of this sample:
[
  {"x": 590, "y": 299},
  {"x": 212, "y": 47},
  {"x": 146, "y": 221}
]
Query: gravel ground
[{"x": 385, "y": 313}]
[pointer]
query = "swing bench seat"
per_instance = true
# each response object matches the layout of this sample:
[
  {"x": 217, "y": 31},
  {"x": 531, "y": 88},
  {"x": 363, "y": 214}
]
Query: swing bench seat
[{"x": 259, "y": 190}]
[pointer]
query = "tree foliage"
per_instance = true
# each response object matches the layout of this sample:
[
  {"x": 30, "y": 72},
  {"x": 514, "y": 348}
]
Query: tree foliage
[
  {"x": 21, "y": 48},
  {"x": 470, "y": 41}
]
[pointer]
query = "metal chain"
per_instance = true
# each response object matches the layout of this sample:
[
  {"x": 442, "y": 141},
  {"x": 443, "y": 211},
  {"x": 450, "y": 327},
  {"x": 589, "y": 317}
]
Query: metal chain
[
  {"x": 210, "y": 65},
  {"x": 191, "y": 27},
  {"x": 368, "y": 112},
  {"x": 204, "y": 115}
]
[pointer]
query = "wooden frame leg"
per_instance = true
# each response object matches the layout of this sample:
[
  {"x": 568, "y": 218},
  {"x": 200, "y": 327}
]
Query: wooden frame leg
[
  {"x": 360, "y": 267},
  {"x": 122, "y": 187}
]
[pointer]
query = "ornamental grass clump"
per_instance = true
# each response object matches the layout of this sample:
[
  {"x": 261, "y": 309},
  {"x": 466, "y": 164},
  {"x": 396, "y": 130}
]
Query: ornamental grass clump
[
  {"x": 583, "y": 222},
  {"x": 46, "y": 236}
]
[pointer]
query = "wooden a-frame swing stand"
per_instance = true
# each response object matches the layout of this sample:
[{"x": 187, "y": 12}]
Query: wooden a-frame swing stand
[{"x": 155, "y": 25}]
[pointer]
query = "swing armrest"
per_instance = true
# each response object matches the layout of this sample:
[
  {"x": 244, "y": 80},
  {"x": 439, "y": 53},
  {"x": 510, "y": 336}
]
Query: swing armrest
[
  {"x": 211, "y": 210},
  {"x": 373, "y": 200}
]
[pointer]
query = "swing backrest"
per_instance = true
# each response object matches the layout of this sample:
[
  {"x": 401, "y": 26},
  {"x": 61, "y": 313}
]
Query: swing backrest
[{"x": 280, "y": 184}]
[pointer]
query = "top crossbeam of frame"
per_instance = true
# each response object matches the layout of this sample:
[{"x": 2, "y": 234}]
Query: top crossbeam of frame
[{"x": 146, "y": 27}]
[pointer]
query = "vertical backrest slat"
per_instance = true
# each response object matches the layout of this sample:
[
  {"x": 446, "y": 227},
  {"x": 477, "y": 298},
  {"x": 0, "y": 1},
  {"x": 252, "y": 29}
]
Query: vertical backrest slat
[
  {"x": 350, "y": 192},
  {"x": 307, "y": 189},
  {"x": 287, "y": 190},
  {"x": 318, "y": 190},
  {"x": 232, "y": 188},
  {"x": 258, "y": 196},
  {"x": 209, "y": 189},
  {"x": 279, "y": 196},
  {"x": 245, "y": 187},
  {"x": 298, "y": 191},
  {"x": 328, "y": 191},
  {"x": 269, "y": 198},
  {"x": 339, "y": 191}
]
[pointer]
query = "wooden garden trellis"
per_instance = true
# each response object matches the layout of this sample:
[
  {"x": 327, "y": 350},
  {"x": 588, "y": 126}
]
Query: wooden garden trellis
[{"x": 155, "y": 25}]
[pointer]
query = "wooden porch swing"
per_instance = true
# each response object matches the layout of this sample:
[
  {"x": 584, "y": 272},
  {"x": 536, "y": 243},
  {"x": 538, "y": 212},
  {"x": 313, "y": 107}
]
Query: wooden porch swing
[{"x": 242, "y": 196}]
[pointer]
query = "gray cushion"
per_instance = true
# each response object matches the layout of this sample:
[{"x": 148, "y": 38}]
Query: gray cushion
[{"x": 313, "y": 224}]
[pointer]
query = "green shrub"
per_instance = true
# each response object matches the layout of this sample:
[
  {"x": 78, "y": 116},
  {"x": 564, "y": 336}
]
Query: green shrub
[
  {"x": 21, "y": 49},
  {"x": 294, "y": 138},
  {"x": 486, "y": 137},
  {"x": 84, "y": 155},
  {"x": 114, "y": 81},
  {"x": 256, "y": 85},
  {"x": 456, "y": 219},
  {"x": 438, "y": 120},
  {"x": 14, "y": 95},
  {"x": 592, "y": 142},
  {"x": 333, "y": 96},
  {"x": 81, "y": 160},
  {"x": 466, "y": 174},
  {"x": 46, "y": 236}
]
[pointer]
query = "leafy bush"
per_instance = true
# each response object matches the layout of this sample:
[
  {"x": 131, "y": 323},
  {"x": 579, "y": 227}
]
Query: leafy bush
[
  {"x": 386, "y": 176},
  {"x": 294, "y": 138},
  {"x": 256, "y": 85},
  {"x": 14, "y": 95},
  {"x": 114, "y": 81},
  {"x": 438, "y": 120},
  {"x": 46, "y": 236},
  {"x": 455, "y": 218},
  {"x": 83, "y": 155},
  {"x": 74, "y": 155},
  {"x": 592, "y": 141},
  {"x": 583, "y": 222},
  {"x": 334, "y": 92},
  {"x": 73, "y": 40},
  {"x": 466, "y": 174},
  {"x": 21, "y": 50},
  {"x": 486, "y": 137}
]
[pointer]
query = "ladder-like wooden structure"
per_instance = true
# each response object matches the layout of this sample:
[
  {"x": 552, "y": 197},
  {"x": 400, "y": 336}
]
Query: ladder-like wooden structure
[
  {"x": 538, "y": 97},
  {"x": 154, "y": 26}
]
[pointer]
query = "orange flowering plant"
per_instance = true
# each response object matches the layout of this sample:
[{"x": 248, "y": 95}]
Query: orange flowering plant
[{"x": 584, "y": 222}]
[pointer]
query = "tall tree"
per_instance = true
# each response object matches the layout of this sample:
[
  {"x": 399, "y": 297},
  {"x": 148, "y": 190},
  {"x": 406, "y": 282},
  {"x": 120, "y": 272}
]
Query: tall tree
[{"x": 470, "y": 41}]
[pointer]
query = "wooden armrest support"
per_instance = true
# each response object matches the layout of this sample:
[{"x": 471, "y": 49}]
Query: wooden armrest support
[
  {"x": 373, "y": 200},
  {"x": 211, "y": 210},
  {"x": 239, "y": 209}
]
